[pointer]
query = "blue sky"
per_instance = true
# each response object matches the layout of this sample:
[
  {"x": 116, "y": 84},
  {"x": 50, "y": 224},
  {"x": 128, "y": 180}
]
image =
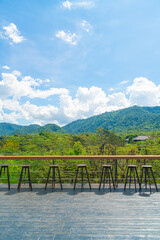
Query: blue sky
[{"x": 67, "y": 60}]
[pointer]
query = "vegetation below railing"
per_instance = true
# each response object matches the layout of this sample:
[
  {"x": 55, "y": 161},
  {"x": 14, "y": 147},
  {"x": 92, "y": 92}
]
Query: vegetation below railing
[{"x": 102, "y": 142}]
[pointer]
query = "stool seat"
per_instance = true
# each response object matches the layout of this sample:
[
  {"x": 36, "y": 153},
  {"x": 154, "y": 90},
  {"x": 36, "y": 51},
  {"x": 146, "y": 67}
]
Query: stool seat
[
  {"x": 4, "y": 165},
  {"x": 146, "y": 166},
  {"x": 25, "y": 166},
  {"x": 81, "y": 166},
  {"x": 132, "y": 166},
  {"x": 53, "y": 167},
  {"x": 106, "y": 166}
]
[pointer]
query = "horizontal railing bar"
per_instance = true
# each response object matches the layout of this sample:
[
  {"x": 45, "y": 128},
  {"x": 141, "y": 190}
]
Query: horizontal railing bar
[{"x": 83, "y": 157}]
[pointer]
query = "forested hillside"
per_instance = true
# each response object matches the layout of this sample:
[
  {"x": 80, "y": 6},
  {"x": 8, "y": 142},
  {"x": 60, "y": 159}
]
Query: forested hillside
[
  {"x": 133, "y": 119},
  {"x": 9, "y": 129}
]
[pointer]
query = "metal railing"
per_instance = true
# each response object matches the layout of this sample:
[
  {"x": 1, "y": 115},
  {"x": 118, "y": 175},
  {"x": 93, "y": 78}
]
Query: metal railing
[{"x": 39, "y": 166}]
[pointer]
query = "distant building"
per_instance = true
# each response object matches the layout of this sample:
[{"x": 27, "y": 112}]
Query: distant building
[{"x": 140, "y": 138}]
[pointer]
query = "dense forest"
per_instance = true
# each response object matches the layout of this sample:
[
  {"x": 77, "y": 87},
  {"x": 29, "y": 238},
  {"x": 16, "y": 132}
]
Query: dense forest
[
  {"x": 95, "y": 140},
  {"x": 51, "y": 143},
  {"x": 132, "y": 119}
]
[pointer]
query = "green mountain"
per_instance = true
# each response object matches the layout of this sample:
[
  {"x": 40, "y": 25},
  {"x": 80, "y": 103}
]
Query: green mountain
[
  {"x": 11, "y": 129},
  {"x": 130, "y": 119}
]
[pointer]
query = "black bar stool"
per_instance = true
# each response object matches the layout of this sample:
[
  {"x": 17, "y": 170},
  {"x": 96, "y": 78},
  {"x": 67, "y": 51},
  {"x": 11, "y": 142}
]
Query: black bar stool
[
  {"x": 53, "y": 167},
  {"x": 26, "y": 168},
  {"x": 5, "y": 168},
  {"x": 132, "y": 169},
  {"x": 81, "y": 166},
  {"x": 146, "y": 169},
  {"x": 106, "y": 173}
]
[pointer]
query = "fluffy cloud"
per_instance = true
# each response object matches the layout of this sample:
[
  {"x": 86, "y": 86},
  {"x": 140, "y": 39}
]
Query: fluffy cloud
[
  {"x": 86, "y": 26},
  {"x": 11, "y": 32},
  {"x": 67, "y": 4},
  {"x": 78, "y": 4},
  {"x": 6, "y": 67},
  {"x": 143, "y": 92},
  {"x": 124, "y": 82},
  {"x": 86, "y": 103},
  {"x": 67, "y": 37},
  {"x": 11, "y": 86}
]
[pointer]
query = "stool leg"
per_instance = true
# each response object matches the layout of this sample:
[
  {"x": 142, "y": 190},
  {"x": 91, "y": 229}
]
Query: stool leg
[
  {"x": 53, "y": 177},
  {"x": 20, "y": 180},
  {"x": 145, "y": 178},
  {"x": 29, "y": 178},
  {"x": 126, "y": 179},
  {"x": 101, "y": 179},
  {"x": 141, "y": 181},
  {"x": 112, "y": 178},
  {"x": 135, "y": 179},
  {"x": 138, "y": 178},
  {"x": 76, "y": 178},
  {"x": 149, "y": 179},
  {"x": 154, "y": 180},
  {"x": 130, "y": 178},
  {"x": 60, "y": 178},
  {"x": 0, "y": 171},
  {"x": 88, "y": 177},
  {"x": 81, "y": 177},
  {"x": 109, "y": 179},
  {"x": 104, "y": 177},
  {"x": 48, "y": 177},
  {"x": 8, "y": 178}
]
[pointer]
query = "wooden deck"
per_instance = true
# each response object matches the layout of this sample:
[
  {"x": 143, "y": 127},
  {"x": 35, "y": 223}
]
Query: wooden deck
[{"x": 78, "y": 215}]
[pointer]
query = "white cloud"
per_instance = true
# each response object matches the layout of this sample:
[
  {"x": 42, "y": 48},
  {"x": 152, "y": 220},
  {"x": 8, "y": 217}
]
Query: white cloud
[
  {"x": 86, "y": 26},
  {"x": 78, "y": 4},
  {"x": 143, "y": 92},
  {"x": 11, "y": 86},
  {"x": 6, "y": 67},
  {"x": 124, "y": 82},
  {"x": 70, "y": 38},
  {"x": 11, "y": 32},
  {"x": 67, "y": 4},
  {"x": 111, "y": 89},
  {"x": 85, "y": 4},
  {"x": 117, "y": 101},
  {"x": 86, "y": 102}
]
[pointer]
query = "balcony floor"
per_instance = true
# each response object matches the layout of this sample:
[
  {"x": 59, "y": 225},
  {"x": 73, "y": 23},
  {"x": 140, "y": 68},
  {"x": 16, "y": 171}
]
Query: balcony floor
[{"x": 78, "y": 215}]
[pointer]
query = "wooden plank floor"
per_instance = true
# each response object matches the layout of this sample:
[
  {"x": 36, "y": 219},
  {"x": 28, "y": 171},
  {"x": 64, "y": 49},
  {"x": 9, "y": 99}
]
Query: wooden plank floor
[{"x": 77, "y": 215}]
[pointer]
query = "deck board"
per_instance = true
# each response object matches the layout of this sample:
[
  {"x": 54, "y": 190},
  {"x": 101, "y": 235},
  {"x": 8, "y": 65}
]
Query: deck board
[{"x": 78, "y": 215}]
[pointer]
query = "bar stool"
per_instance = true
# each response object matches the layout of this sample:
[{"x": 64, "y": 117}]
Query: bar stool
[
  {"x": 53, "y": 167},
  {"x": 132, "y": 169},
  {"x": 26, "y": 168},
  {"x": 81, "y": 166},
  {"x": 106, "y": 172},
  {"x": 5, "y": 168},
  {"x": 146, "y": 169}
]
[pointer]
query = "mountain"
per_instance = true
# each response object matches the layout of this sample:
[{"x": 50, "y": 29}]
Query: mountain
[
  {"x": 11, "y": 129},
  {"x": 125, "y": 120}
]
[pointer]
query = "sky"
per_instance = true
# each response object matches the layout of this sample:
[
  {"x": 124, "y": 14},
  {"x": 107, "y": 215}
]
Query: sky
[{"x": 65, "y": 60}]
